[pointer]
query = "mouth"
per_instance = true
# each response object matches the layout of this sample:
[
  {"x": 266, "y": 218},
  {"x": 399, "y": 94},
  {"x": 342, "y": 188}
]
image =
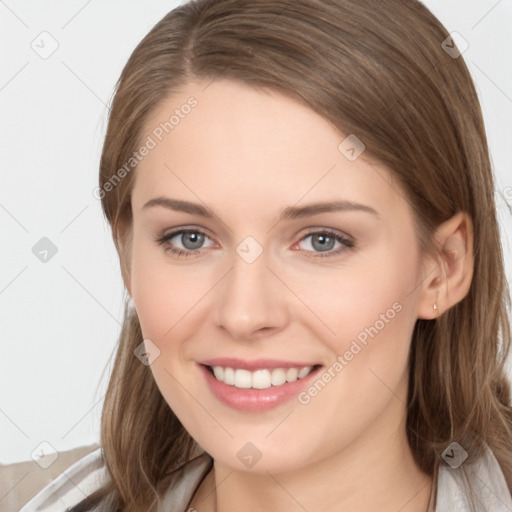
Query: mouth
[
  {"x": 256, "y": 386},
  {"x": 262, "y": 378}
]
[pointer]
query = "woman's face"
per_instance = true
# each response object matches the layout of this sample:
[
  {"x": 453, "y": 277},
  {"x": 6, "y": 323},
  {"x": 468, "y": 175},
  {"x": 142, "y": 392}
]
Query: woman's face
[{"x": 298, "y": 256}]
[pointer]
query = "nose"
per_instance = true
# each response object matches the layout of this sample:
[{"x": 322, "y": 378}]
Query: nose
[{"x": 251, "y": 301}]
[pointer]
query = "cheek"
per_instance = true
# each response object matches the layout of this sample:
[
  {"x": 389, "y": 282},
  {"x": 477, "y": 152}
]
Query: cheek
[
  {"x": 371, "y": 314},
  {"x": 162, "y": 292},
  {"x": 365, "y": 314},
  {"x": 166, "y": 299},
  {"x": 155, "y": 307},
  {"x": 362, "y": 301}
]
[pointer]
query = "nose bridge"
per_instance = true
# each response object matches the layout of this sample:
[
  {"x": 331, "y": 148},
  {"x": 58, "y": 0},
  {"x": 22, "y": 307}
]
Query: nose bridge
[{"x": 250, "y": 300}]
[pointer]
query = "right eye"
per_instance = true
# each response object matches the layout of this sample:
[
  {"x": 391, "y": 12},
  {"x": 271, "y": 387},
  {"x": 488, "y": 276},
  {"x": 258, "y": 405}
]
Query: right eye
[{"x": 183, "y": 242}]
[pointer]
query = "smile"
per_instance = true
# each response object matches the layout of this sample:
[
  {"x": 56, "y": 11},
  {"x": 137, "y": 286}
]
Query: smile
[
  {"x": 259, "y": 379},
  {"x": 257, "y": 385}
]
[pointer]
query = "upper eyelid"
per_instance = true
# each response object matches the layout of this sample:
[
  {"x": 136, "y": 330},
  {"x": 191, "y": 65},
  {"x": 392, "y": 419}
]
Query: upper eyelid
[
  {"x": 311, "y": 230},
  {"x": 171, "y": 233}
]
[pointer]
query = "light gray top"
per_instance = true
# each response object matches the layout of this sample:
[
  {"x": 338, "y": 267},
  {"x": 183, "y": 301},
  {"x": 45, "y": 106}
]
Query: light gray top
[{"x": 482, "y": 478}]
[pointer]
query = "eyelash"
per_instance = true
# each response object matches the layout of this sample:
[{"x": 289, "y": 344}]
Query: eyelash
[{"x": 344, "y": 241}]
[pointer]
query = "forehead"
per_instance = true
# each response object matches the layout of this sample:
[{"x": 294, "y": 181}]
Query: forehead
[{"x": 228, "y": 140}]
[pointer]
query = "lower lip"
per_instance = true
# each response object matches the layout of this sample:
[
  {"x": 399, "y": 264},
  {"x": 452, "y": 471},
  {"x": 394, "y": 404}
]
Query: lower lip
[{"x": 255, "y": 400}]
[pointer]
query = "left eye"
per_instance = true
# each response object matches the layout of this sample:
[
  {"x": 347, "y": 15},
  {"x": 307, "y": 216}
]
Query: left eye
[{"x": 325, "y": 242}]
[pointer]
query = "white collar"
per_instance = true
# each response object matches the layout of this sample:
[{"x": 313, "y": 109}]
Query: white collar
[{"x": 481, "y": 480}]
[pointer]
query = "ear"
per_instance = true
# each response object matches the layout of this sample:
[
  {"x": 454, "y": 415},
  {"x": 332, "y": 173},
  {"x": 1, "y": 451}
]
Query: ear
[{"x": 447, "y": 277}]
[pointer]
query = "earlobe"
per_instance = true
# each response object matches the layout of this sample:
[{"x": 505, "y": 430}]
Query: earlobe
[{"x": 448, "y": 279}]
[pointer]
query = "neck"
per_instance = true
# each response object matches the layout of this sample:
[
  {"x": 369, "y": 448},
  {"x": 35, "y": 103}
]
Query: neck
[
  {"x": 382, "y": 480},
  {"x": 375, "y": 473}
]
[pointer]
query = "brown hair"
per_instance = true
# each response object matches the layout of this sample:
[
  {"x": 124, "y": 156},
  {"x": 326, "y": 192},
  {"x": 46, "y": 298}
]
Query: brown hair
[{"x": 376, "y": 69}]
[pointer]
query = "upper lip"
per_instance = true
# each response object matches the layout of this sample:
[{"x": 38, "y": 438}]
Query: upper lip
[{"x": 255, "y": 364}]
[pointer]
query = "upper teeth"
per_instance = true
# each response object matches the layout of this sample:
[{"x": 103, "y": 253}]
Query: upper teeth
[{"x": 259, "y": 379}]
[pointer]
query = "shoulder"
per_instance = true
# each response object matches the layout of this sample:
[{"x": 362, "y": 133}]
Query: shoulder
[
  {"x": 482, "y": 482},
  {"x": 74, "y": 484},
  {"x": 89, "y": 474}
]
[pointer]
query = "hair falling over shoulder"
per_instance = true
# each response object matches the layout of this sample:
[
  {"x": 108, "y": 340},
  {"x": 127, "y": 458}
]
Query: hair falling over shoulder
[{"x": 369, "y": 73}]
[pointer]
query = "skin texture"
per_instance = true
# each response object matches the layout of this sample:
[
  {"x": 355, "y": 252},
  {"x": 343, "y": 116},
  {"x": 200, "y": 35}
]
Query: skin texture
[{"x": 247, "y": 154}]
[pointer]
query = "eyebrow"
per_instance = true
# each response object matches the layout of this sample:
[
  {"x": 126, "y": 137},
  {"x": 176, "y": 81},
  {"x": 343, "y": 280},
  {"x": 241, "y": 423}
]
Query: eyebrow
[{"x": 289, "y": 213}]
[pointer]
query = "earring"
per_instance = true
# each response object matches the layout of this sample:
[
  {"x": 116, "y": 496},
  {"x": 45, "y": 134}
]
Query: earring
[{"x": 434, "y": 307}]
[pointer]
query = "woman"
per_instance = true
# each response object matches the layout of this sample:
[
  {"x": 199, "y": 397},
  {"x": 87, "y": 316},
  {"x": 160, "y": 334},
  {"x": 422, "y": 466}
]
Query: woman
[{"x": 302, "y": 201}]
